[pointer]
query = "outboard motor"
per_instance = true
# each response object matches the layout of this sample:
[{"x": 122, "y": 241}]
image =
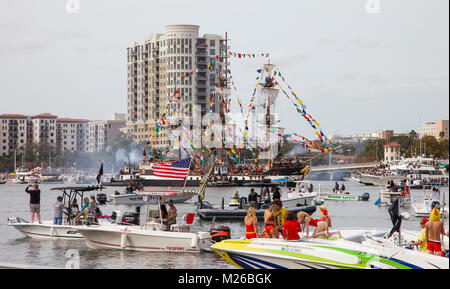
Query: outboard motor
[
  {"x": 219, "y": 234},
  {"x": 435, "y": 204},
  {"x": 130, "y": 218},
  {"x": 204, "y": 205},
  {"x": 365, "y": 196},
  {"x": 101, "y": 198}
]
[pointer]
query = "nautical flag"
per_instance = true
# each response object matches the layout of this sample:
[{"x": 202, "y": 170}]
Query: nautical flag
[
  {"x": 175, "y": 170},
  {"x": 100, "y": 173}
]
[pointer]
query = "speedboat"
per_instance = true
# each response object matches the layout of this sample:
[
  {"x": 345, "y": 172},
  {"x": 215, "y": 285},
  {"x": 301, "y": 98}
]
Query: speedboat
[
  {"x": 372, "y": 252},
  {"x": 361, "y": 249},
  {"x": 153, "y": 236},
  {"x": 46, "y": 229}
]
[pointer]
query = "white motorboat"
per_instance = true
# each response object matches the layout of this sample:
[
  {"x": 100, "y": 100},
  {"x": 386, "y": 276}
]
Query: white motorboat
[
  {"x": 300, "y": 196},
  {"x": 344, "y": 196},
  {"x": 423, "y": 209},
  {"x": 46, "y": 229},
  {"x": 387, "y": 197},
  {"x": 136, "y": 198},
  {"x": 151, "y": 236}
]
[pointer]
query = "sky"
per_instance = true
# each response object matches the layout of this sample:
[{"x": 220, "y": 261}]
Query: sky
[{"x": 359, "y": 68}]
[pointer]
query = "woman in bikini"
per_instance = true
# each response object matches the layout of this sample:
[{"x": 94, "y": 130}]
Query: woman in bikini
[
  {"x": 251, "y": 224},
  {"x": 325, "y": 217},
  {"x": 321, "y": 226},
  {"x": 270, "y": 226}
]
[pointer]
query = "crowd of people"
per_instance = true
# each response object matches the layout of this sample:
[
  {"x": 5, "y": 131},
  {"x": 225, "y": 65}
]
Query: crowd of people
[{"x": 278, "y": 222}]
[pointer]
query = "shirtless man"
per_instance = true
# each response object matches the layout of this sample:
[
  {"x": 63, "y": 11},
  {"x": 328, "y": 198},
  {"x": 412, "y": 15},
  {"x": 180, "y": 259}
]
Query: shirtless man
[{"x": 434, "y": 229}]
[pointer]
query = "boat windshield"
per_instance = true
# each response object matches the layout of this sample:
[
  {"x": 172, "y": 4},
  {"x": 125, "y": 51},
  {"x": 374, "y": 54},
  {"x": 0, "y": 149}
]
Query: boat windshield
[{"x": 359, "y": 238}]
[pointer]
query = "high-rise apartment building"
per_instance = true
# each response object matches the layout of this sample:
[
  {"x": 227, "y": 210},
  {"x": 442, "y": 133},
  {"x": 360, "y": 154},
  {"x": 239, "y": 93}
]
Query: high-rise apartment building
[{"x": 179, "y": 59}]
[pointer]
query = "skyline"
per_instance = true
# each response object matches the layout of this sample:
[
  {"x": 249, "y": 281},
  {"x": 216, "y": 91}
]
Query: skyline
[{"x": 357, "y": 72}]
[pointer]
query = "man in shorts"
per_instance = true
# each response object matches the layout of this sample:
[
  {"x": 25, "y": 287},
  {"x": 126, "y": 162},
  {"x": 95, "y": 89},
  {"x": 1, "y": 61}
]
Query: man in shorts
[
  {"x": 35, "y": 201},
  {"x": 434, "y": 229}
]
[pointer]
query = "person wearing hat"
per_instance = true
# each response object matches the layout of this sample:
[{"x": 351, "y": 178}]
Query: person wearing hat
[
  {"x": 422, "y": 239},
  {"x": 35, "y": 201},
  {"x": 434, "y": 229}
]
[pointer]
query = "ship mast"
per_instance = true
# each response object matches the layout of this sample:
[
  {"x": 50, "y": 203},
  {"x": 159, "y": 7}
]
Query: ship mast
[
  {"x": 270, "y": 94},
  {"x": 223, "y": 84}
]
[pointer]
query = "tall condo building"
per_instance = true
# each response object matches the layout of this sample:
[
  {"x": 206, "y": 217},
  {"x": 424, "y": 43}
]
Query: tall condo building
[{"x": 179, "y": 59}]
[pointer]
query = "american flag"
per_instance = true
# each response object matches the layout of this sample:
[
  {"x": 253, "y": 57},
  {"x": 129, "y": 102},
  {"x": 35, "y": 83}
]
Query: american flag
[{"x": 175, "y": 170}]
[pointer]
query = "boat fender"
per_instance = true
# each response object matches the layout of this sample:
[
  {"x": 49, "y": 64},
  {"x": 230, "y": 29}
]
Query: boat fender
[
  {"x": 52, "y": 232},
  {"x": 123, "y": 240},
  {"x": 194, "y": 241}
]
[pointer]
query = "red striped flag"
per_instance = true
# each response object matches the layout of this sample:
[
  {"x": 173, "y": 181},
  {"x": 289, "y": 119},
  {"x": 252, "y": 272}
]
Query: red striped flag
[{"x": 175, "y": 170}]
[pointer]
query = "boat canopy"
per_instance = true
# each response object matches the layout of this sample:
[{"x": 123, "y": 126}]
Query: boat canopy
[{"x": 157, "y": 193}]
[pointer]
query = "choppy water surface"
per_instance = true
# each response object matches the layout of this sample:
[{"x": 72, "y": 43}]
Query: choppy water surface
[{"x": 17, "y": 249}]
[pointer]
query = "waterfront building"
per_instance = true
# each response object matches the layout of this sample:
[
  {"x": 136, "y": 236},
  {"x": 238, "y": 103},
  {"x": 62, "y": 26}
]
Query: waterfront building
[
  {"x": 391, "y": 152},
  {"x": 434, "y": 129},
  {"x": 102, "y": 132},
  {"x": 387, "y": 134},
  {"x": 179, "y": 58},
  {"x": 72, "y": 134},
  {"x": 16, "y": 132},
  {"x": 44, "y": 128}
]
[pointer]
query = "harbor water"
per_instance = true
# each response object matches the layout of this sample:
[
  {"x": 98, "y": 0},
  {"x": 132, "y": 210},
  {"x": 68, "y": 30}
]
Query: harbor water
[{"x": 17, "y": 249}]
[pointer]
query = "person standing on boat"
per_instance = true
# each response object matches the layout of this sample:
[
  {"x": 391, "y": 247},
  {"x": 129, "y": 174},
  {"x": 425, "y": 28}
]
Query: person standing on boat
[
  {"x": 164, "y": 216},
  {"x": 434, "y": 229},
  {"x": 251, "y": 224},
  {"x": 172, "y": 218},
  {"x": 276, "y": 193},
  {"x": 58, "y": 211},
  {"x": 35, "y": 201},
  {"x": 253, "y": 199},
  {"x": 291, "y": 227},
  {"x": 336, "y": 187},
  {"x": 422, "y": 239}
]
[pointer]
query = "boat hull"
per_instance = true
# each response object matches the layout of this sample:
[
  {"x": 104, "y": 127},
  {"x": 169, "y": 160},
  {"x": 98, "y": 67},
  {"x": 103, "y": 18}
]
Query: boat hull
[
  {"x": 46, "y": 230},
  {"x": 321, "y": 254},
  {"x": 136, "y": 239},
  {"x": 378, "y": 180}
]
